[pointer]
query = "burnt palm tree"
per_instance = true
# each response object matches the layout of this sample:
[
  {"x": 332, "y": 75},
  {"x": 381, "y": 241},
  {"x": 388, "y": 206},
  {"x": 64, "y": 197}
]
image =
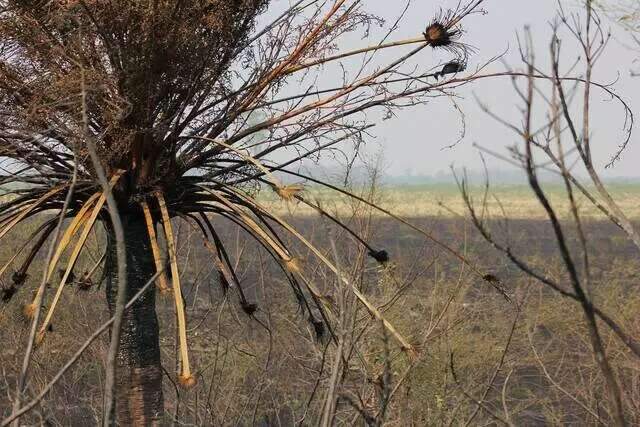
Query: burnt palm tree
[{"x": 131, "y": 113}]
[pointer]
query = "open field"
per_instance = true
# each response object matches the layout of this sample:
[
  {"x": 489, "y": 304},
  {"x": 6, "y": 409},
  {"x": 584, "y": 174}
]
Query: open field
[
  {"x": 272, "y": 371},
  {"x": 444, "y": 200}
]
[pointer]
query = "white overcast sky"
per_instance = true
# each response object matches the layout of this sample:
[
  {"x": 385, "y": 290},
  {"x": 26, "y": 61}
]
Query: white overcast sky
[{"x": 414, "y": 141}]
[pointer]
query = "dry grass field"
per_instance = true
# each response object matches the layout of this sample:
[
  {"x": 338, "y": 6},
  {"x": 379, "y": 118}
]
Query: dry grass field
[
  {"x": 444, "y": 200},
  {"x": 480, "y": 360}
]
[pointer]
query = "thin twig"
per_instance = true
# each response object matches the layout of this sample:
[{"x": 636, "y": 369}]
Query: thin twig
[{"x": 121, "y": 257}]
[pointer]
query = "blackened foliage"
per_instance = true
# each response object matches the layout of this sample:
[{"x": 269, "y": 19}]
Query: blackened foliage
[
  {"x": 7, "y": 293},
  {"x": 70, "y": 279},
  {"x": 319, "y": 328},
  {"x": 85, "y": 283},
  {"x": 438, "y": 35},
  {"x": 443, "y": 32},
  {"x": 248, "y": 308},
  {"x": 381, "y": 256},
  {"x": 18, "y": 278},
  {"x": 491, "y": 279}
]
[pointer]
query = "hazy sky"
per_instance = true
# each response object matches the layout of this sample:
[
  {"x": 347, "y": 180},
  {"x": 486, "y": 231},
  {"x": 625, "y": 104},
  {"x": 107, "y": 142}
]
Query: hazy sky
[
  {"x": 420, "y": 133},
  {"x": 414, "y": 141}
]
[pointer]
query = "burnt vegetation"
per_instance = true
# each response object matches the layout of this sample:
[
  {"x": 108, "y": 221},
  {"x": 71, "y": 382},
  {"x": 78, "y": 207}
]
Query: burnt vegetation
[
  {"x": 137, "y": 141},
  {"x": 129, "y": 114}
]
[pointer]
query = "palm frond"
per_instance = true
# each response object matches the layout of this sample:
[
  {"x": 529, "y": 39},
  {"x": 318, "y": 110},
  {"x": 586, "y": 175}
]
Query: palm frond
[
  {"x": 186, "y": 377},
  {"x": 162, "y": 278},
  {"x": 28, "y": 209}
]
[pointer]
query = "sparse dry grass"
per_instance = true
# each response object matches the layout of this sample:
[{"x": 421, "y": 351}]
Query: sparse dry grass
[{"x": 443, "y": 309}]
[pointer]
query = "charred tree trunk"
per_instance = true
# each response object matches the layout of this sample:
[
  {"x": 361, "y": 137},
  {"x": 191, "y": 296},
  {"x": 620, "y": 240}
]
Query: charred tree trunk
[{"x": 138, "y": 394}]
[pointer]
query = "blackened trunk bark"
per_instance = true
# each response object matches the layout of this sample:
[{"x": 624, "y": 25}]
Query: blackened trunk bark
[{"x": 138, "y": 394}]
